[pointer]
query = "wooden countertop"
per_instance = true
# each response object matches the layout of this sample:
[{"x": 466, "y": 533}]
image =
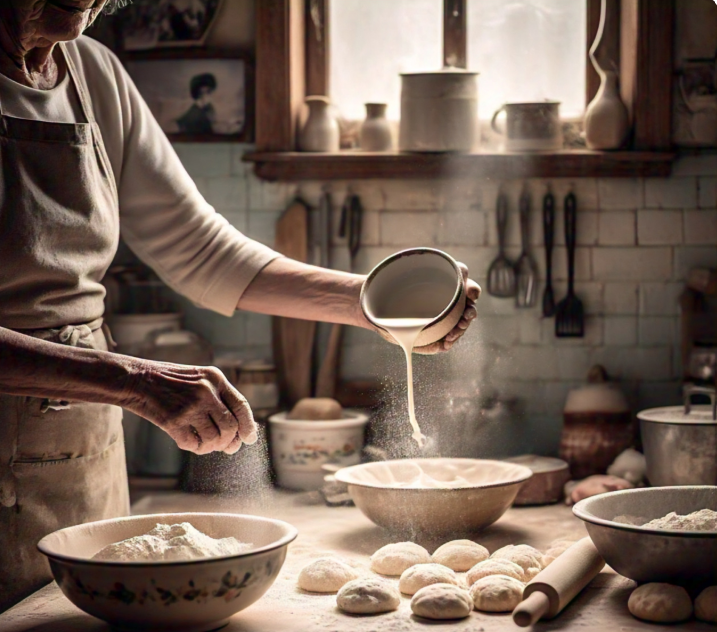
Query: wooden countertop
[{"x": 601, "y": 607}]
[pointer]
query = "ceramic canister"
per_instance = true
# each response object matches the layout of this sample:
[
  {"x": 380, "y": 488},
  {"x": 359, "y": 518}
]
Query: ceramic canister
[
  {"x": 531, "y": 126},
  {"x": 439, "y": 111},
  {"x": 416, "y": 283}
]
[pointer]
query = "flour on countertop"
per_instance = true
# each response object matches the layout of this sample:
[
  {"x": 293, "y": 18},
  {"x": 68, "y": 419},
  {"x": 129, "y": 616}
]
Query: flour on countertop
[
  {"x": 702, "y": 520},
  {"x": 171, "y": 542}
]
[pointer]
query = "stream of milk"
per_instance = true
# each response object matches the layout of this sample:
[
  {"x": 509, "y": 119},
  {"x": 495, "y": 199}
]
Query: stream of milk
[{"x": 405, "y": 332}]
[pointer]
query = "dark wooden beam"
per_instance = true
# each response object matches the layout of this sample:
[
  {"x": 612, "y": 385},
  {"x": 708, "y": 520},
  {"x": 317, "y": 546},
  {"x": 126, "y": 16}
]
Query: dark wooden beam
[
  {"x": 280, "y": 73},
  {"x": 317, "y": 47},
  {"x": 455, "y": 33}
]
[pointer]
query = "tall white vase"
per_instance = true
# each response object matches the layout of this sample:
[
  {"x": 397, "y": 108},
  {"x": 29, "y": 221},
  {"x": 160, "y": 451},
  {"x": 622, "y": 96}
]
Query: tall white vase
[{"x": 607, "y": 123}]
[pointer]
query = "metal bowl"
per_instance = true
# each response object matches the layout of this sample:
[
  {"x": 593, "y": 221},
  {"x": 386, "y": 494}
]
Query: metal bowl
[
  {"x": 391, "y": 494},
  {"x": 653, "y": 555}
]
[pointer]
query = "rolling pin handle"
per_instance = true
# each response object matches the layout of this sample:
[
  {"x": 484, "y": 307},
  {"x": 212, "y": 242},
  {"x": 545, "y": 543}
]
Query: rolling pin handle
[{"x": 531, "y": 610}]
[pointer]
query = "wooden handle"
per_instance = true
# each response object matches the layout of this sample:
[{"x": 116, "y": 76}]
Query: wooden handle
[
  {"x": 530, "y": 611},
  {"x": 561, "y": 581}
]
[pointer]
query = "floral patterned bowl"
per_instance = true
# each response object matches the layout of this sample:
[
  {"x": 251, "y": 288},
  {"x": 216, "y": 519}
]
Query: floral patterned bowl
[{"x": 191, "y": 596}]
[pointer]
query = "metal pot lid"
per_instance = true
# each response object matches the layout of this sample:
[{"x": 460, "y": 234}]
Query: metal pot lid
[{"x": 697, "y": 415}]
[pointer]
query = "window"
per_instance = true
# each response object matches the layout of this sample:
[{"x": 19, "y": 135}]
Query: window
[{"x": 524, "y": 50}]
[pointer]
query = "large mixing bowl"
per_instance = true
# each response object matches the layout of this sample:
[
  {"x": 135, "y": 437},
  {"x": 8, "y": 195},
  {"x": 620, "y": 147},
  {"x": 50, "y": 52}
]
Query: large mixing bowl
[
  {"x": 403, "y": 496},
  {"x": 653, "y": 555},
  {"x": 191, "y": 596}
]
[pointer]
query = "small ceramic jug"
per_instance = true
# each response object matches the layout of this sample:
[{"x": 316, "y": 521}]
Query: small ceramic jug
[
  {"x": 320, "y": 133},
  {"x": 376, "y": 130}
]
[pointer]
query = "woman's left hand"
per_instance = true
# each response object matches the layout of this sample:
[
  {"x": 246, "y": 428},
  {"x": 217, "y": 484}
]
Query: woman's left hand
[{"x": 469, "y": 314}]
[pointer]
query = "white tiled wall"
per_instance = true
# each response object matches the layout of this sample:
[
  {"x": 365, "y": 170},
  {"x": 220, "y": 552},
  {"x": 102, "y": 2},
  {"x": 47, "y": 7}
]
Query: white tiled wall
[{"x": 637, "y": 238}]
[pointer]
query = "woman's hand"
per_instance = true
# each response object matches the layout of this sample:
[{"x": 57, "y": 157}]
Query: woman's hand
[{"x": 196, "y": 406}]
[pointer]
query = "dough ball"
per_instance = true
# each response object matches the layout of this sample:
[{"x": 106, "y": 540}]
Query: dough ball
[
  {"x": 368, "y": 595},
  {"x": 442, "y": 601},
  {"x": 494, "y": 567},
  {"x": 556, "y": 549},
  {"x": 316, "y": 409},
  {"x": 706, "y": 605},
  {"x": 524, "y": 556},
  {"x": 660, "y": 603},
  {"x": 422, "y": 575},
  {"x": 497, "y": 593},
  {"x": 393, "y": 559},
  {"x": 460, "y": 555},
  {"x": 325, "y": 575}
]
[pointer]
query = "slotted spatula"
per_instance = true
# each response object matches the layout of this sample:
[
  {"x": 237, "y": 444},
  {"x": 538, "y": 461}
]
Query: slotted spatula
[
  {"x": 526, "y": 272},
  {"x": 501, "y": 273},
  {"x": 569, "y": 317}
]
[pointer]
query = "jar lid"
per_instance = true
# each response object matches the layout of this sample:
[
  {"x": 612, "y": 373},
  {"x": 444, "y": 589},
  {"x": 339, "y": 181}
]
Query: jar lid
[{"x": 698, "y": 415}]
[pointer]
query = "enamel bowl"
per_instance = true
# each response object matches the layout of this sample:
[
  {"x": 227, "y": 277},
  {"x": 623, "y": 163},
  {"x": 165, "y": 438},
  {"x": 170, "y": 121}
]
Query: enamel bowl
[
  {"x": 167, "y": 596},
  {"x": 435, "y": 497}
]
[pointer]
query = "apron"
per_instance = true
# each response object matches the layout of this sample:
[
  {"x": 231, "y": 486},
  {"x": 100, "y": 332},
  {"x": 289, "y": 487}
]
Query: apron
[{"x": 61, "y": 463}]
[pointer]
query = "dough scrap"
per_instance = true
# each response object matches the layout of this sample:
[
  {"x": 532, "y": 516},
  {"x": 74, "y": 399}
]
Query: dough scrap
[
  {"x": 660, "y": 603},
  {"x": 368, "y": 595},
  {"x": 393, "y": 559},
  {"x": 525, "y": 556},
  {"x": 442, "y": 601},
  {"x": 422, "y": 575},
  {"x": 494, "y": 567},
  {"x": 555, "y": 550},
  {"x": 706, "y": 605},
  {"x": 496, "y": 593},
  {"x": 325, "y": 575},
  {"x": 460, "y": 555}
]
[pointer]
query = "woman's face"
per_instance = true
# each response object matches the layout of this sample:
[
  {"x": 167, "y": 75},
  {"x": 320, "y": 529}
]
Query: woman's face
[{"x": 46, "y": 22}]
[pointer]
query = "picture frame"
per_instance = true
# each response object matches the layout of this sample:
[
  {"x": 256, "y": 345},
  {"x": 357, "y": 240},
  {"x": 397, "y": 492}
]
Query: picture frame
[
  {"x": 197, "y": 95},
  {"x": 158, "y": 24}
]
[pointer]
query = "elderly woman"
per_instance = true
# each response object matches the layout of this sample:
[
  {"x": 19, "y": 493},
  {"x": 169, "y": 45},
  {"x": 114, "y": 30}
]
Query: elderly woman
[{"x": 81, "y": 160}]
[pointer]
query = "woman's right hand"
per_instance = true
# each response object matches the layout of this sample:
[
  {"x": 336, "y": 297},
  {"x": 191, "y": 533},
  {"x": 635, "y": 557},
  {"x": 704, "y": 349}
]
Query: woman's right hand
[{"x": 196, "y": 406}]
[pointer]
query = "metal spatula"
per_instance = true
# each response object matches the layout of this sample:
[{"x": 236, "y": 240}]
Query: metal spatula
[
  {"x": 501, "y": 274},
  {"x": 548, "y": 232},
  {"x": 569, "y": 317},
  {"x": 526, "y": 272}
]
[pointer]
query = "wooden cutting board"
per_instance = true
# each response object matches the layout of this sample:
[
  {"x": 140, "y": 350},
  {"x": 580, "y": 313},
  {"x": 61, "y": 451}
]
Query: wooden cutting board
[{"x": 292, "y": 339}]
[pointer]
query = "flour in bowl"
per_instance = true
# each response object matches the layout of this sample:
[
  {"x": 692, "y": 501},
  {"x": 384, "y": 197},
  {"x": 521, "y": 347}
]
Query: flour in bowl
[
  {"x": 171, "y": 542},
  {"x": 702, "y": 520}
]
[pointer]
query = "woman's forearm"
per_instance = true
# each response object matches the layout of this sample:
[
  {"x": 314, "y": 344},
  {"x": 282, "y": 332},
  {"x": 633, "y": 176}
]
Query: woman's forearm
[
  {"x": 37, "y": 368},
  {"x": 296, "y": 290}
]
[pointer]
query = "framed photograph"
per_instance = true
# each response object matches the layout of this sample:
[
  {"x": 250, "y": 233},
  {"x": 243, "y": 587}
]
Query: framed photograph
[
  {"x": 151, "y": 24},
  {"x": 201, "y": 96}
]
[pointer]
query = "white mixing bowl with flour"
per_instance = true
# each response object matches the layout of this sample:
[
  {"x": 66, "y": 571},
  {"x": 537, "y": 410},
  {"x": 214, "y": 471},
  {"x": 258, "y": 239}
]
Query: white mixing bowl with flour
[
  {"x": 434, "y": 496},
  {"x": 167, "y": 596}
]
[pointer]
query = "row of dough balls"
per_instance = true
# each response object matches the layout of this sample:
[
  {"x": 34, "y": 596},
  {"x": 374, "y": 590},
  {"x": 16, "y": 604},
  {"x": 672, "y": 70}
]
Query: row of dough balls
[
  {"x": 665, "y": 603},
  {"x": 496, "y": 581}
]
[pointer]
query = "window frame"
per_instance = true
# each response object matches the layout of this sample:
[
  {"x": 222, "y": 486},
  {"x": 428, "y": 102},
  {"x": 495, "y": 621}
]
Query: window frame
[{"x": 293, "y": 56}]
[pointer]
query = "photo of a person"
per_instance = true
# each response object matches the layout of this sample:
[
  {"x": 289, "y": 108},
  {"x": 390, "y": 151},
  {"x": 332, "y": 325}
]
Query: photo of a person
[{"x": 200, "y": 117}]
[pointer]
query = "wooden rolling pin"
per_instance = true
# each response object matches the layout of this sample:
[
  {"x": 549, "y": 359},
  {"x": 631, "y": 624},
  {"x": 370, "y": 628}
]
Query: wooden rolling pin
[{"x": 556, "y": 586}]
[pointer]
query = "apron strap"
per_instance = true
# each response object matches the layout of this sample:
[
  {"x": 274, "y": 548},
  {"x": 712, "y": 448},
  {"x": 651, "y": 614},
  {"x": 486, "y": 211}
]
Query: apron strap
[{"x": 84, "y": 95}]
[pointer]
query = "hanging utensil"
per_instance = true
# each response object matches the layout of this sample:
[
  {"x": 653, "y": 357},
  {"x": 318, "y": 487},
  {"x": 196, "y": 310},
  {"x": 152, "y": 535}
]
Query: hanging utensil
[
  {"x": 526, "y": 272},
  {"x": 548, "y": 233},
  {"x": 350, "y": 225},
  {"x": 501, "y": 274},
  {"x": 569, "y": 318}
]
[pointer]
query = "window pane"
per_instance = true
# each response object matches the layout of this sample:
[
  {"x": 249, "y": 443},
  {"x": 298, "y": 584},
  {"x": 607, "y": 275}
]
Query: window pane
[
  {"x": 528, "y": 50},
  {"x": 372, "y": 41}
]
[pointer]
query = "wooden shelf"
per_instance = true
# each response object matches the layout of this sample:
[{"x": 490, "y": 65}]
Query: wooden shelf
[{"x": 354, "y": 165}]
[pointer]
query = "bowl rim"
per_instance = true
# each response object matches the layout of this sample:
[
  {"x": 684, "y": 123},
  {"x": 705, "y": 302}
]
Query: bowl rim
[
  {"x": 290, "y": 536},
  {"x": 341, "y": 476},
  {"x": 581, "y": 510},
  {"x": 352, "y": 419}
]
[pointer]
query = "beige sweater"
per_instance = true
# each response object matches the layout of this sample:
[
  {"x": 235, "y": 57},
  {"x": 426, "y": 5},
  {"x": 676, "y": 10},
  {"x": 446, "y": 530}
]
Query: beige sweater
[{"x": 163, "y": 217}]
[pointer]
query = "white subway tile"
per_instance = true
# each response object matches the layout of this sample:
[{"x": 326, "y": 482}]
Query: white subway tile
[
  {"x": 659, "y": 228},
  {"x": 688, "y": 257},
  {"x": 671, "y": 192},
  {"x": 467, "y": 228},
  {"x": 585, "y": 189},
  {"x": 238, "y": 166},
  {"x": 620, "y": 193},
  {"x": 227, "y": 192},
  {"x": 409, "y": 229},
  {"x": 658, "y": 394},
  {"x": 411, "y": 195},
  {"x": 632, "y": 264},
  {"x": 205, "y": 159},
  {"x": 258, "y": 329},
  {"x": 370, "y": 229},
  {"x": 573, "y": 362},
  {"x": 707, "y": 192},
  {"x": 238, "y": 219},
  {"x": 586, "y": 229},
  {"x": 621, "y": 298},
  {"x": 536, "y": 363},
  {"x": 617, "y": 228},
  {"x": 488, "y": 304},
  {"x": 560, "y": 263},
  {"x": 461, "y": 194},
  {"x": 261, "y": 226},
  {"x": 477, "y": 259},
  {"x": 660, "y": 299},
  {"x": 530, "y": 325},
  {"x": 498, "y": 330},
  {"x": 701, "y": 227},
  {"x": 370, "y": 256},
  {"x": 621, "y": 331},
  {"x": 651, "y": 363},
  {"x": 657, "y": 331}
]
